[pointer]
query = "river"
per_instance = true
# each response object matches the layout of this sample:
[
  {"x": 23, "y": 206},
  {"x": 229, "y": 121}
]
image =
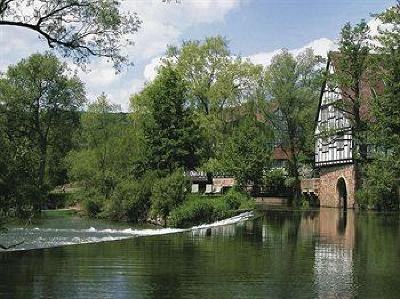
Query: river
[{"x": 275, "y": 253}]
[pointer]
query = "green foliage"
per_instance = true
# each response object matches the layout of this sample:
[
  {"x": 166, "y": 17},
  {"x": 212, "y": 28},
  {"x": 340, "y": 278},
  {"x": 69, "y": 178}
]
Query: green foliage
[
  {"x": 386, "y": 105},
  {"x": 131, "y": 200},
  {"x": 39, "y": 104},
  {"x": 215, "y": 82},
  {"x": 275, "y": 177},
  {"x": 293, "y": 83},
  {"x": 105, "y": 152},
  {"x": 169, "y": 192},
  {"x": 172, "y": 137},
  {"x": 58, "y": 200},
  {"x": 245, "y": 154},
  {"x": 93, "y": 205},
  {"x": 381, "y": 186},
  {"x": 202, "y": 209}
]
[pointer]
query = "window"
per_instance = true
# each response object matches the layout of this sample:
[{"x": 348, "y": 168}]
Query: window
[
  {"x": 324, "y": 114},
  {"x": 325, "y": 147},
  {"x": 339, "y": 144}
]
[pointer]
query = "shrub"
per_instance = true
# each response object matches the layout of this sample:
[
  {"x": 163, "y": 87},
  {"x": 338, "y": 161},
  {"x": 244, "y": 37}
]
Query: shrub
[
  {"x": 275, "y": 177},
  {"x": 93, "y": 206},
  {"x": 380, "y": 187},
  {"x": 57, "y": 200},
  {"x": 202, "y": 209},
  {"x": 131, "y": 199},
  {"x": 234, "y": 199},
  {"x": 168, "y": 193}
]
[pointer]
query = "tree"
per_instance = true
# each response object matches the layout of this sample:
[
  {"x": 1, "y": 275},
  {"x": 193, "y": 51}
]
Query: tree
[
  {"x": 348, "y": 80},
  {"x": 351, "y": 67},
  {"x": 245, "y": 154},
  {"x": 380, "y": 188},
  {"x": 39, "y": 101},
  {"x": 109, "y": 165},
  {"x": 216, "y": 80},
  {"x": 79, "y": 29},
  {"x": 172, "y": 136},
  {"x": 292, "y": 89},
  {"x": 95, "y": 162},
  {"x": 386, "y": 104}
]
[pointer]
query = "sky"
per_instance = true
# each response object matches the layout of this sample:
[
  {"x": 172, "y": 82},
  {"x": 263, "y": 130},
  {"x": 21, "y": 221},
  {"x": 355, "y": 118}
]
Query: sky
[{"x": 255, "y": 29}]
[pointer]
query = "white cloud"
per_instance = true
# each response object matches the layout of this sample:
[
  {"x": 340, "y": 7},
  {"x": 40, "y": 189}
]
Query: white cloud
[
  {"x": 320, "y": 46},
  {"x": 163, "y": 23},
  {"x": 101, "y": 74},
  {"x": 151, "y": 69},
  {"x": 16, "y": 43}
]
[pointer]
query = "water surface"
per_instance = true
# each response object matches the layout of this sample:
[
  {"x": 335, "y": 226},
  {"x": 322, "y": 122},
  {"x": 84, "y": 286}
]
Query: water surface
[{"x": 275, "y": 254}]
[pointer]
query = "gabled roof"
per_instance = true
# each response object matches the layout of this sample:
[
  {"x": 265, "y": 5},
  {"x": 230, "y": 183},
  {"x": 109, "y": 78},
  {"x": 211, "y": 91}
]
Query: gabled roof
[{"x": 368, "y": 86}]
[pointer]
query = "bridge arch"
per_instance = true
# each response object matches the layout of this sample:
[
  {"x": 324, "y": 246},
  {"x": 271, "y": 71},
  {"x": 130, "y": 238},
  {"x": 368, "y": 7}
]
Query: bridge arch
[{"x": 336, "y": 187}]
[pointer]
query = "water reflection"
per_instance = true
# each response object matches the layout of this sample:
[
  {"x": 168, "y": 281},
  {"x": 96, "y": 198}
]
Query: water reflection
[
  {"x": 323, "y": 253},
  {"x": 334, "y": 254}
]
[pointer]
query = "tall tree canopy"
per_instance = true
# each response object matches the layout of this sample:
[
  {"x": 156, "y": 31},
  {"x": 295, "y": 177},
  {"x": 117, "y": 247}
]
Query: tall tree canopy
[
  {"x": 98, "y": 162},
  {"x": 380, "y": 186},
  {"x": 78, "y": 29},
  {"x": 39, "y": 101},
  {"x": 292, "y": 87},
  {"x": 349, "y": 77},
  {"x": 216, "y": 80},
  {"x": 387, "y": 104},
  {"x": 172, "y": 136}
]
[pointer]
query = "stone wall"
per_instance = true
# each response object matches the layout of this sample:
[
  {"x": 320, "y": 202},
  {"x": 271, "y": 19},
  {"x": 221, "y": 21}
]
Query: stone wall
[
  {"x": 328, "y": 193},
  {"x": 223, "y": 182}
]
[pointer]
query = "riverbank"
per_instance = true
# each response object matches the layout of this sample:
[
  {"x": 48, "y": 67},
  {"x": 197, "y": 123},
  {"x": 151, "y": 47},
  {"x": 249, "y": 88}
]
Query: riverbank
[{"x": 195, "y": 210}]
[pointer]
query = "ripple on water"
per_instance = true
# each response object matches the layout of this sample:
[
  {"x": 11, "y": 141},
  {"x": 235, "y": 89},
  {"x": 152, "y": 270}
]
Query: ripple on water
[{"x": 45, "y": 237}]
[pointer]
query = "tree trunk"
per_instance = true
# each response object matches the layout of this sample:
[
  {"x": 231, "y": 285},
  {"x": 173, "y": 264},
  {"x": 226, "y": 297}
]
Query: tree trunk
[
  {"x": 359, "y": 142},
  {"x": 293, "y": 162},
  {"x": 41, "y": 174}
]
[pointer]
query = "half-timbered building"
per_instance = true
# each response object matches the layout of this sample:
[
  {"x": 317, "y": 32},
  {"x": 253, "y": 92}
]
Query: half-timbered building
[{"x": 334, "y": 144}]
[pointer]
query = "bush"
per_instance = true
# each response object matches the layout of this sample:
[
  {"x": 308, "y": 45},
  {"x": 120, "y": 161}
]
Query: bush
[
  {"x": 92, "y": 206},
  {"x": 168, "y": 193},
  {"x": 275, "y": 177},
  {"x": 131, "y": 199},
  {"x": 380, "y": 189},
  {"x": 57, "y": 200},
  {"x": 196, "y": 210},
  {"x": 201, "y": 209}
]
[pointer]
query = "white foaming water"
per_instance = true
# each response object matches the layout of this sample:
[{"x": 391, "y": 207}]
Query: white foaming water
[
  {"x": 53, "y": 237},
  {"x": 239, "y": 218}
]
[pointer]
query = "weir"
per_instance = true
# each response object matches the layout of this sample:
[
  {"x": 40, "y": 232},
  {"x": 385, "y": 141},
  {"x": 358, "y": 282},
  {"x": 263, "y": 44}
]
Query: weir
[{"x": 51, "y": 235}]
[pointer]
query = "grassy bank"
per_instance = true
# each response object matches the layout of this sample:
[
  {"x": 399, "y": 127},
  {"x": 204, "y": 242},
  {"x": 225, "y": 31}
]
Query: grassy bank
[{"x": 199, "y": 209}]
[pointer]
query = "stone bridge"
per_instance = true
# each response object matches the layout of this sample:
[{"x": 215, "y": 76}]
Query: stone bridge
[{"x": 334, "y": 188}]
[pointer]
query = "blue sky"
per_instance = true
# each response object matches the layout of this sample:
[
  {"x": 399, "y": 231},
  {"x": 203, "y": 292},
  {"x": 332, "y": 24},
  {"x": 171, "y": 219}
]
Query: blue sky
[
  {"x": 266, "y": 25},
  {"x": 255, "y": 28}
]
